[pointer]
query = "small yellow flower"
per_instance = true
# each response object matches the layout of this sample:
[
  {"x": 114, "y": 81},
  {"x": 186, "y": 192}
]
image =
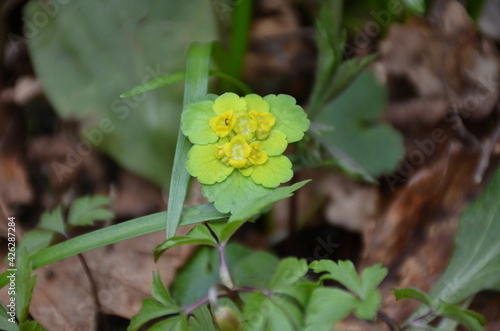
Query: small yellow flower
[
  {"x": 265, "y": 122},
  {"x": 245, "y": 125},
  {"x": 223, "y": 124},
  {"x": 237, "y": 151},
  {"x": 257, "y": 155}
]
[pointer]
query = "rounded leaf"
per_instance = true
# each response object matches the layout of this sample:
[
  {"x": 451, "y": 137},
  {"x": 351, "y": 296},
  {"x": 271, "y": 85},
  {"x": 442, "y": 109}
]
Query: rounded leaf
[
  {"x": 277, "y": 170},
  {"x": 228, "y": 101},
  {"x": 290, "y": 117},
  {"x": 204, "y": 164},
  {"x": 195, "y": 123}
]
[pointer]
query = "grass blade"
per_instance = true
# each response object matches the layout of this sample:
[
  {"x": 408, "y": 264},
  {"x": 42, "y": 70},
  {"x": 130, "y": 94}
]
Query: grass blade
[
  {"x": 115, "y": 233},
  {"x": 197, "y": 69}
]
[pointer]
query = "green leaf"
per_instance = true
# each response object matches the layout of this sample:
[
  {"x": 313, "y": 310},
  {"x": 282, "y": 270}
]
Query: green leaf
[
  {"x": 86, "y": 210},
  {"x": 201, "y": 320},
  {"x": 290, "y": 117},
  {"x": 100, "y": 54},
  {"x": 31, "y": 326},
  {"x": 371, "y": 277},
  {"x": 52, "y": 221},
  {"x": 327, "y": 307},
  {"x": 277, "y": 170},
  {"x": 205, "y": 166},
  {"x": 475, "y": 263},
  {"x": 368, "y": 308},
  {"x": 5, "y": 324},
  {"x": 155, "y": 83},
  {"x": 289, "y": 272},
  {"x": 195, "y": 122},
  {"x": 160, "y": 292},
  {"x": 248, "y": 268},
  {"x": 358, "y": 133},
  {"x": 24, "y": 285},
  {"x": 195, "y": 89},
  {"x": 412, "y": 294},
  {"x": 199, "y": 235},
  {"x": 36, "y": 240},
  {"x": 343, "y": 272},
  {"x": 175, "y": 323},
  {"x": 257, "y": 205},
  {"x": 119, "y": 232},
  {"x": 150, "y": 310},
  {"x": 270, "y": 313},
  {"x": 255, "y": 313},
  {"x": 234, "y": 192},
  {"x": 224, "y": 230},
  {"x": 471, "y": 320}
]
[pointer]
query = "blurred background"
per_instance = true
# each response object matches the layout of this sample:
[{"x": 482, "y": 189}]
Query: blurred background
[{"x": 399, "y": 149}]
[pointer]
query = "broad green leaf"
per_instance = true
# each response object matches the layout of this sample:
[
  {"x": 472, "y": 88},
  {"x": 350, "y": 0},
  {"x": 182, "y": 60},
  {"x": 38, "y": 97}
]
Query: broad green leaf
[
  {"x": 199, "y": 235},
  {"x": 195, "y": 122},
  {"x": 248, "y": 268},
  {"x": 119, "y": 232},
  {"x": 52, "y": 221},
  {"x": 24, "y": 285},
  {"x": 257, "y": 205},
  {"x": 471, "y": 320},
  {"x": 255, "y": 313},
  {"x": 195, "y": 89},
  {"x": 290, "y": 117},
  {"x": 475, "y": 263},
  {"x": 150, "y": 310},
  {"x": 343, "y": 272},
  {"x": 234, "y": 192},
  {"x": 368, "y": 308},
  {"x": 412, "y": 294},
  {"x": 270, "y": 313},
  {"x": 160, "y": 292},
  {"x": 201, "y": 320},
  {"x": 104, "y": 48},
  {"x": 36, "y": 240},
  {"x": 289, "y": 272},
  {"x": 175, "y": 323},
  {"x": 31, "y": 326},
  {"x": 355, "y": 116},
  {"x": 86, "y": 210},
  {"x": 277, "y": 170},
  {"x": 327, "y": 307},
  {"x": 371, "y": 277}
]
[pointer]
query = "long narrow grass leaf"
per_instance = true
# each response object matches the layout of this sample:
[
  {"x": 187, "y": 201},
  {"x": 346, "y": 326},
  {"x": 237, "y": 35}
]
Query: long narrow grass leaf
[
  {"x": 197, "y": 69},
  {"x": 115, "y": 233}
]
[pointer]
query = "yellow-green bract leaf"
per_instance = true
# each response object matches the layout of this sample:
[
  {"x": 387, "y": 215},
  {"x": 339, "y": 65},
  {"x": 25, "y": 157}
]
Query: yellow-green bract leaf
[
  {"x": 86, "y": 210},
  {"x": 228, "y": 101},
  {"x": 204, "y": 165},
  {"x": 275, "y": 144},
  {"x": 195, "y": 123},
  {"x": 199, "y": 235},
  {"x": 290, "y": 117},
  {"x": 52, "y": 221},
  {"x": 255, "y": 102},
  {"x": 277, "y": 170},
  {"x": 232, "y": 193},
  {"x": 256, "y": 206}
]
